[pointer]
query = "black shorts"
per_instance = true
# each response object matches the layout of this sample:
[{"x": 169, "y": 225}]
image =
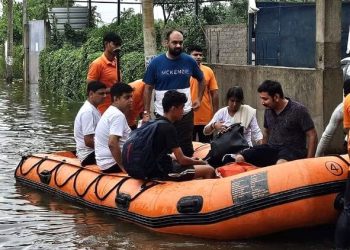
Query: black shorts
[
  {"x": 89, "y": 160},
  {"x": 114, "y": 169},
  {"x": 180, "y": 173},
  {"x": 266, "y": 155}
]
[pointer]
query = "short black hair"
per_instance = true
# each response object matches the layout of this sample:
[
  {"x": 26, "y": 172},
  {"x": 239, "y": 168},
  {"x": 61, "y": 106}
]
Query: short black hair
[
  {"x": 169, "y": 32},
  {"x": 235, "y": 92},
  {"x": 173, "y": 98},
  {"x": 112, "y": 37},
  {"x": 192, "y": 48},
  {"x": 346, "y": 87},
  {"x": 94, "y": 86},
  {"x": 119, "y": 89},
  {"x": 271, "y": 87}
]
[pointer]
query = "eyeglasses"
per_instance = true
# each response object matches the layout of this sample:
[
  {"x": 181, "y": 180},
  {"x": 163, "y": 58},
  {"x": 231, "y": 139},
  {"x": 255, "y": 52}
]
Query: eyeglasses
[{"x": 101, "y": 93}]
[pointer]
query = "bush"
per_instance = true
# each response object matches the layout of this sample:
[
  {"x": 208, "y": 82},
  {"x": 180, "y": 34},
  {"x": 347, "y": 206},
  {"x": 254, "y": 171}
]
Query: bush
[
  {"x": 62, "y": 73},
  {"x": 133, "y": 66},
  {"x": 64, "y": 70}
]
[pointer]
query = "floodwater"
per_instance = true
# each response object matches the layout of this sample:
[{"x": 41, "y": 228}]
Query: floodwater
[{"x": 32, "y": 122}]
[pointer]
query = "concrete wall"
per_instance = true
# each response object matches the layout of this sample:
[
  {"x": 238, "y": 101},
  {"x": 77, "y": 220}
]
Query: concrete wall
[
  {"x": 227, "y": 43},
  {"x": 301, "y": 84}
]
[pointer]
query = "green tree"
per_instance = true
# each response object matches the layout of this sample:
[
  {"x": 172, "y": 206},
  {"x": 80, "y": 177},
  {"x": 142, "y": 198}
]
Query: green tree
[{"x": 175, "y": 9}]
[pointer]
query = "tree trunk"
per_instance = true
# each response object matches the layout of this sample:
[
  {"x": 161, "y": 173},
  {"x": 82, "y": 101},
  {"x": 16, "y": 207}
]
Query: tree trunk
[
  {"x": 9, "y": 56},
  {"x": 149, "y": 36}
]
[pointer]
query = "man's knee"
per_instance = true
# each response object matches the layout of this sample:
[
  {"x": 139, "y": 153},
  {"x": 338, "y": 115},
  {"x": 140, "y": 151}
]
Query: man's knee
[
  {"x": 239, "y": 158},
  {"x": 279, "y": 161},
  {"x": 204, "y": 171}
]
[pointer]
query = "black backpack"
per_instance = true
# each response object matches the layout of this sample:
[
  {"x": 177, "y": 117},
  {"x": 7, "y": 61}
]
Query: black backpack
[
  {"x": 229, "y": 142},
  {"x": 138, "y": 156}
]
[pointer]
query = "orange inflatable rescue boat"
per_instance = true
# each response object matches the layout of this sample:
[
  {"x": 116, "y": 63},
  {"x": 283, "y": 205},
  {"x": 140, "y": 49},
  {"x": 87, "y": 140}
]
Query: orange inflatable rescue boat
[{"x": 245, "y": 202}]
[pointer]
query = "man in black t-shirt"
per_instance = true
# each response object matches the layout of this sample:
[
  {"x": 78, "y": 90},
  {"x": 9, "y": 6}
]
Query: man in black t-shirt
[
  {"x": 289, "y": 132},
  {"x": 166, "y": 142}
]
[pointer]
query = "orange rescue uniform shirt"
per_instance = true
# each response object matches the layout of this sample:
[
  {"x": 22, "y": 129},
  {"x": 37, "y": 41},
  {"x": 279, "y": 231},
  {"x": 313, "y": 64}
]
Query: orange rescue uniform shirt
[
  {"x": 346, "y": 120},
  {"x": 137, "y": 97},
  {"x": 205, "y": 112},
  {"x": 105, "y": 71}
]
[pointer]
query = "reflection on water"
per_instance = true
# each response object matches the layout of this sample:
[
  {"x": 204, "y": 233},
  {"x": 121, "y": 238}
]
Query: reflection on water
[{"x": 31, "y": 122}]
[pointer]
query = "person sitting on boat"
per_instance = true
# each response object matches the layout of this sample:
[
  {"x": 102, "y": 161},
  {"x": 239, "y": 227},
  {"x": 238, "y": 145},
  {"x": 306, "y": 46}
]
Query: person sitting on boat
[
  {"x": 86, "y": 121},
  {"x": 112, "y": 130},
  {"x": 236, "y": 112},
  {"x": 287, "y": 127},
  {"x": 333, "y": 124},
  {"x": 166, "y": 141}
]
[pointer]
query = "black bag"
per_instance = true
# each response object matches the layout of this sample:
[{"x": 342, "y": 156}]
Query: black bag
[
  {"x": 138, "y": 157},
  {"x": 229, "y": 142}
]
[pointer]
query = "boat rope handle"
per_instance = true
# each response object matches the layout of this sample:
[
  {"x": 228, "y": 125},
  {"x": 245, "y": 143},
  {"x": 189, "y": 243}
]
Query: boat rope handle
[
  {"x": 341, "y": 158},
  {"x": 97, "y": 180},
  {"x": 51, "y": 171},
  {"x": 35, "y": 165},
  {"x": 88, "y": 187},
  {"x": 20, "y": 164},
  {"x": 144, "y": 187},
  {"x": 68, "y": 179},
  {"x": 118, "y": 185}
]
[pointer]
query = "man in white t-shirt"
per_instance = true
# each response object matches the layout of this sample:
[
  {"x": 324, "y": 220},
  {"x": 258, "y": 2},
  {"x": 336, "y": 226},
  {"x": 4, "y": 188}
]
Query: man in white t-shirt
[
  {"x": 86, "y": 121},
  {"x": 112, "y": 130}
]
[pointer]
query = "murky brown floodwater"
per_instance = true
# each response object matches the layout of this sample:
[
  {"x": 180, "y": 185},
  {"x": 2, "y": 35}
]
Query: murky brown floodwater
[{"x": 31, "y": 122}]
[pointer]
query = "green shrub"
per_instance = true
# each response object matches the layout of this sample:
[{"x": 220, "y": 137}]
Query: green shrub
[{"x": 133, "y": 66}]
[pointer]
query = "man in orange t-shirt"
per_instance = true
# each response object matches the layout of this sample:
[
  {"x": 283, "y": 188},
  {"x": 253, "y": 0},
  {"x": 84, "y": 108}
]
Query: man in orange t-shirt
[
  {"x": 210, "y": 100},
  {"x": 137, "y": 106},
  {"x": 104, "y": 68}
]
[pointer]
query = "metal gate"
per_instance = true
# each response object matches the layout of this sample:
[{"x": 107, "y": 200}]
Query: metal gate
[{"x": 285, "y": 34}]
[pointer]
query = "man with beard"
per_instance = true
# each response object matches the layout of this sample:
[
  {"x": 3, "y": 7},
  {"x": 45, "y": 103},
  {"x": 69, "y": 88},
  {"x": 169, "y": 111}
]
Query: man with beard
[
  {"x": 172, "y": 71},
  {"x": 289, "y": 132}
]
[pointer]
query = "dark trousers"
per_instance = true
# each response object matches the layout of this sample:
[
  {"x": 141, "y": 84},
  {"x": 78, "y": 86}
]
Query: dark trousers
[
  {"x": 114, "y": 169},
  {"x": 89, "y": 160},
  {"x": 342, "y": 230},
  {"x": 198, "y": 131}
]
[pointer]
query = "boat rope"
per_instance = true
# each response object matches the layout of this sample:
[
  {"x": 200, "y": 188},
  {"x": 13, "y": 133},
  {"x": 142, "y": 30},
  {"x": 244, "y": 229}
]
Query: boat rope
[
  {"x": 20, "y": 164},
  {"x": 341, "y": 158},
  {"x": 35, "y": 165},
  {"x": 88, "y": 187},
  {"x": 51, "y": 171},
  {"x": 118, "y": 185},
  {"x": 144, "y": 187},
  {"x": 68, "y": 179},
  {"x": 55, "y": 170}
]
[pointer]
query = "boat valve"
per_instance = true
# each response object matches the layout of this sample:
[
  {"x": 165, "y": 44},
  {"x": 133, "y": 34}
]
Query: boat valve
[
  {"x": 123, "y": 200},
  {"x": 45, "y": 176}
]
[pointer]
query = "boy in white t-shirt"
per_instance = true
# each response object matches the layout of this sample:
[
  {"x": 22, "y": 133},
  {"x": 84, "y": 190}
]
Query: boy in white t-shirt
[
  {"x": 86, "y": 121},
  {"x": 112, "y": 130}
]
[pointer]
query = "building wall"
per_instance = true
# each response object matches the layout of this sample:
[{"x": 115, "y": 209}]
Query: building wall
[
  {"x": 301, "y": 84},
  {"x": 227, "y": 44}
]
